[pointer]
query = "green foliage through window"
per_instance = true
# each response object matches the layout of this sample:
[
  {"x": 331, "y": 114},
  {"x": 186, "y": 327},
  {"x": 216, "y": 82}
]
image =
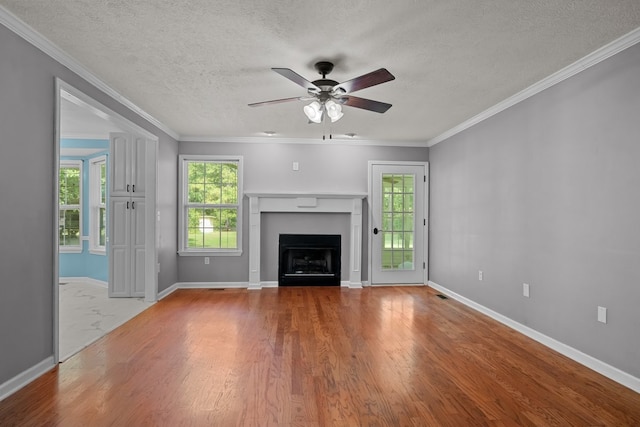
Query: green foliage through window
[
  {"x": 212, "y": 204},
  {"x": 69, "y": 201},
  {"x": 397, "y": 221}
]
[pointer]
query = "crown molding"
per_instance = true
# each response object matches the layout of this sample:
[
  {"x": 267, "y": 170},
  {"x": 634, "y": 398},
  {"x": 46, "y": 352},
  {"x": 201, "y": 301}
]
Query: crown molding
[
  {"x": 22, "y": 29},
  {"x": 319, "y": 141},
  {"x": 588, "y": 61}
]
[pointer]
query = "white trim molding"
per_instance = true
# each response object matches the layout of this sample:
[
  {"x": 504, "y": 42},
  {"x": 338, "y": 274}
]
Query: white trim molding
[
  {"x": 212, "y": 285},
  {"x": 24, "y": 378},
  {"x": 165, "y": 293},
  {"x": 283, "y": 140},
  {"x": 306, "y": 202},
  {"x": 599, "y": 366},
  {"x": 582, "y": 64}
]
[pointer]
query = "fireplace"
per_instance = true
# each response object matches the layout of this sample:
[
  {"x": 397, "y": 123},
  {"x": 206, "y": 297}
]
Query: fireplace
[{"x": 309, "y": 260}]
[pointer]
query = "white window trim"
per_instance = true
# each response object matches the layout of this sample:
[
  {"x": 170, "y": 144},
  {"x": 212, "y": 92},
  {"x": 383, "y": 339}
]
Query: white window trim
[
  {"x": 182, "y": 194},
  {"x": 77, "y": 249},
  {"x": 94, "y": 191}
]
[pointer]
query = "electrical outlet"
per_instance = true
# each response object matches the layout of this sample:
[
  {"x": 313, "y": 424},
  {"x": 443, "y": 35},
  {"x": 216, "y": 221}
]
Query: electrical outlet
[
  {"x": 525, "y": 289},
  {"x": 206, "y": 260},
  {"x": 480, "y": 275},
  {"x": 602, "y": 314}
]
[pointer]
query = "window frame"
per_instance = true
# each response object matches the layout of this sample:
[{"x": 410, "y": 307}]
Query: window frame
[
  {"x": 76, "y": 249},
  {"x": 183, "y": 248},
  {"x": 95, "y": 204}
]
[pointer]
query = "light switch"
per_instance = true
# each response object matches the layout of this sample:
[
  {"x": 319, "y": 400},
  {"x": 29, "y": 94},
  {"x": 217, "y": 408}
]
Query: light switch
[
  {"x": 602, "y": 314},
  {"x": 296, "y": 166},
  {"x": 525, "y": 289}
]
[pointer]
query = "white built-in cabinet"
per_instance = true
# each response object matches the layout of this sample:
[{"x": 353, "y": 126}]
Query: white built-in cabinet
[
  {"x": 128, "y": 156},
  {"x": 127, "y": 213}
]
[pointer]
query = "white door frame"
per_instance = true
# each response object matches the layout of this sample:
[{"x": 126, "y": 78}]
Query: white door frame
[
  {"x": 72, "y": 94},
  {"x": 425, "y": 237}
]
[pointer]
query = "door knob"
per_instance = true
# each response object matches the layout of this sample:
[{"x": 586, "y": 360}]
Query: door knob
[{"x": 375, "y": 230}]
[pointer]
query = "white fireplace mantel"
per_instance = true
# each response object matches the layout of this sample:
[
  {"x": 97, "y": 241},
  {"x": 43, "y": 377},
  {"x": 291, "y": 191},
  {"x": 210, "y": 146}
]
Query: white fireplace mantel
[{"x": 350, "y": 203}]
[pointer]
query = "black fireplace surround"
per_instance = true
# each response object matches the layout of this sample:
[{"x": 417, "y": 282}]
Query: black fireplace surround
[{"x": 309, "y": 260}]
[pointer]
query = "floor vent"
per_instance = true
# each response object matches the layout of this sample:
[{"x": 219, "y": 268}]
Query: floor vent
[{"x": 441, "y": 296}]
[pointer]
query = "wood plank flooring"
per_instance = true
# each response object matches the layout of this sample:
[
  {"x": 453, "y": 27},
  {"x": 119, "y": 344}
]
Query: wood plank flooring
[{"x": 318, "y": 356}]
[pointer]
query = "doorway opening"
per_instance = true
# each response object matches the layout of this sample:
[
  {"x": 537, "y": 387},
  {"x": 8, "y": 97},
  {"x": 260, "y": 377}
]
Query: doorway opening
[{"x": 83, "y": 266}]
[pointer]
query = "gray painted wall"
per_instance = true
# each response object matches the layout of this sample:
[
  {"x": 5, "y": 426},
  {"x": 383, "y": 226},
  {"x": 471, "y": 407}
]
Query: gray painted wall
[
  {"x": 324, "y": 167},
  {"x": 547, "y": 193},
  {"x": 27, "y": 115}
]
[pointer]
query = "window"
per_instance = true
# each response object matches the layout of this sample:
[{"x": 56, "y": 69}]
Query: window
[
  {"x": 70, "y": 202},
  {"x": 210, "y": 205},
  {"x": 98, "y": 205}
]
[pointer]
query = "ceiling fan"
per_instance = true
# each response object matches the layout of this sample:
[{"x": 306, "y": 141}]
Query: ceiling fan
[{"x": 329, "y": 96}]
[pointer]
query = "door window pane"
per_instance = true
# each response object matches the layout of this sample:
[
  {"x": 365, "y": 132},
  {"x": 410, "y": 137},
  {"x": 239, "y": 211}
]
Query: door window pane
[{"x": 398, "y": 221}]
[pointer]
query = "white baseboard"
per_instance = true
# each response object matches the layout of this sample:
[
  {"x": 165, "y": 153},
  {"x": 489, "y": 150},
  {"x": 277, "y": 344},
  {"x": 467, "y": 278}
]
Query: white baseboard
[
  {"x": 24, "y": 378},
  {"x": 237, "y": 285},
  {"x": 167, "y": 291},
  {"x": 212, "y": 285},
  {"x": 269, "y": 284},
  {"x": 599, "y": 366},
  {"x": 83, "y": 280}
]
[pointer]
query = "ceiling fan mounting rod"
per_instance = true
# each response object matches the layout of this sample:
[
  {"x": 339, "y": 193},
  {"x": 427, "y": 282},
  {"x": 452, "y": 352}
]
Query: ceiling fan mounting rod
[{"x": 324, "y": 68}]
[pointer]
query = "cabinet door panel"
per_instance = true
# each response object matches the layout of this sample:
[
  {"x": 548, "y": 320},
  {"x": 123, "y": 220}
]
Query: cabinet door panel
[
  {"x": 120, "y": 168},
  {"x": 138, "y": 166},
  {"x": 119, "y": 283},
  {"x": 139, "y": 257},
  {"x": 138, "y": 247},
  {"x": 119, "y": 250}
]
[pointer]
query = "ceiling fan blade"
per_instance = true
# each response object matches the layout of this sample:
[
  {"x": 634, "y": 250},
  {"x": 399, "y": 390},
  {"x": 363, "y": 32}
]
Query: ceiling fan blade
[
  {"x": 367, "y": 80},
  {"x": 365, "y": 104},
  {"x": 296, "y": 78},
  {"x": 278, "y": 101}
]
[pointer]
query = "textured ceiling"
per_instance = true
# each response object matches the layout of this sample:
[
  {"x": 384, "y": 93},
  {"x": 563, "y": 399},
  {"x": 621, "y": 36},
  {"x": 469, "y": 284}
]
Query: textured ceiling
[{"x": 196, "y": 64}]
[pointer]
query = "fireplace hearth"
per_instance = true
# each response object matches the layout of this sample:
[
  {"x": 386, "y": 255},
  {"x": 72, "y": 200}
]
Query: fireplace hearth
[{"x": 309, "y": 260}]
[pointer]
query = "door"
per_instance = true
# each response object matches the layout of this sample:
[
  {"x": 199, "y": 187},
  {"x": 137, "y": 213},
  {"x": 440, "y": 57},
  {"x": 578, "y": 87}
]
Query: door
[
  {"x": 128, "y": 165},
  {"x": 398, "y": 229},
  {"x": 120, "y": 164},
  {"x": 119, "y": 252},
  {"x": 127, "y": 249},
  {"x": 138, "y": 246}
]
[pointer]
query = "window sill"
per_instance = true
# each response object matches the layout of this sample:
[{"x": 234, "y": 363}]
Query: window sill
[
  {"x": 63, "y": 250},
  {"x": 98, "y": 252},
  {"x": 211, "y": 253}
]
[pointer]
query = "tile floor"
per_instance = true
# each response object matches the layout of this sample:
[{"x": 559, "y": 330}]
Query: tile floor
[{"x": 87, "y": 314}]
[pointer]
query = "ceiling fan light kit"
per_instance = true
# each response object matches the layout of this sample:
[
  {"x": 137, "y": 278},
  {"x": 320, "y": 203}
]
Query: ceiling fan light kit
[
  {"x": 329, "y": 96},
  {"x": 334, "y": 110},
  {"x": 313, "y": 111}
]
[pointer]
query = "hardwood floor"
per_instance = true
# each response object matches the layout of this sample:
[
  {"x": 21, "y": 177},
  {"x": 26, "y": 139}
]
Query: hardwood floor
[{"x": 318, "y": 356}]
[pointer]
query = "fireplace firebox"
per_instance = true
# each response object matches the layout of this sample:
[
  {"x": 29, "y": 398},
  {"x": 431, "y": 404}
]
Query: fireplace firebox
[{"x": 309, "y": 260}]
